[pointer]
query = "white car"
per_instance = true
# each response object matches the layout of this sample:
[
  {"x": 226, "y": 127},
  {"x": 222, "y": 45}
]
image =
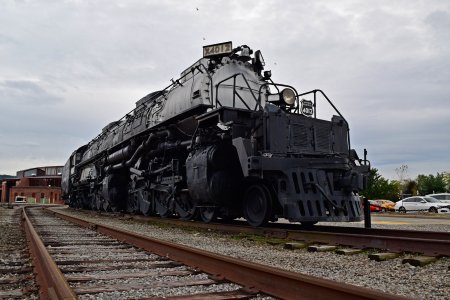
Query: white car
[
  {"x": 420, "y": 203},
  {"x": 442, "y": 197}
]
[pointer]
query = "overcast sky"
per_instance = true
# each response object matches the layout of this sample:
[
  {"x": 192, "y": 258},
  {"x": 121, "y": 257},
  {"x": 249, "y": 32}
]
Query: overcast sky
[{"x": 67, "y": 68}]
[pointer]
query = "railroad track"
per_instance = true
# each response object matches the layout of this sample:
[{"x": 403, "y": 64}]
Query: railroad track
[
  {"x": 87, "y": 261},
  {"x": 413, "y": 241},
  {"x": 16, "y": 272},
  {"x": 95, "y": 265}
]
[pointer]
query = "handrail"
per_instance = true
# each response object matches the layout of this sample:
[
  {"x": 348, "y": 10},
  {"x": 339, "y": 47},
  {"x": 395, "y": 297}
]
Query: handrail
[
  {"x": 282, "y": 85},
  {"x": 334, "y": 107},
  {"x": 257, "y": 100},
  {"x": 210, "y": 79},
  {"x": 326, "y": 97},
  {"x": 276, "y": 85}
]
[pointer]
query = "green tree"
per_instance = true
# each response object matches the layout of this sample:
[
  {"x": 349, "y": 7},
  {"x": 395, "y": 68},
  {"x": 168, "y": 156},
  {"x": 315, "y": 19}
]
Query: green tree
[
  {"x": 380, "y": 188},
  {"x": 431, "y": 184}
]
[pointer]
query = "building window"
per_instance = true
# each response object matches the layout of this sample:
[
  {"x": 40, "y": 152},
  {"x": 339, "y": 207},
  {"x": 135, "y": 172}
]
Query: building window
[
  {"x": 50, "y": 171},
  {"x": 29, "y": 173}
]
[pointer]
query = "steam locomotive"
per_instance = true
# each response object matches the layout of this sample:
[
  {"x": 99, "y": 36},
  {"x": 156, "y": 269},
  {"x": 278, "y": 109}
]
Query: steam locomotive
[{"x": 224, "y": 140}]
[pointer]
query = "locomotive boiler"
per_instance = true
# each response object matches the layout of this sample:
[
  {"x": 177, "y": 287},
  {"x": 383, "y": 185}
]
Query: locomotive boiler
[{"x": 224, "y": 140}]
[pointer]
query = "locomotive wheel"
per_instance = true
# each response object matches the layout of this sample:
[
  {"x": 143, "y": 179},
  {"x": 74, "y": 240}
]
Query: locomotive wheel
[
  {"x": 76, "y": 202},
  {"x": 98, "y": 203},
  {"x": 257, "y": 205},
  {"x": 145, "y": 206},
  {"x": 114, "y": 208},
  {"x": 85, "y": 201},
  {"x": 208, "y": 214},
  {"x": 82, "y": 201},
  {"x": 185, "y": 208},
  {"x": 106, "y": 206},
  {"x": 92, "y": 202},
  {"x": 132, "y": 204},
  {"x": 162, "y": 203}
]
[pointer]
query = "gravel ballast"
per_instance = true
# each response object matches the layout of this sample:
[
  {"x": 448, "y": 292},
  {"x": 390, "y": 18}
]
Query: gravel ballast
[
  {"x": 16, "y": 272},
  {"x": 127, "y": 276},
  {"x": 428, "y": 282}
]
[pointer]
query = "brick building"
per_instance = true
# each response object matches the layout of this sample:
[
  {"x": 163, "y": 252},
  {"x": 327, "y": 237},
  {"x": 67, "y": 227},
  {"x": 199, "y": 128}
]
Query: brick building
[{"x": 35, "y": 185}]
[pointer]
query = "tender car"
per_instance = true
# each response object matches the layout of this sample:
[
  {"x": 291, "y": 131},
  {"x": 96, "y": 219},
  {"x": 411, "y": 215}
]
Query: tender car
[
  {"x": 375, "y": 207},
  {"x": 386, "y": 205},
  {"x": 421, "y": 203},
  {"x": 442, "y": 197}
]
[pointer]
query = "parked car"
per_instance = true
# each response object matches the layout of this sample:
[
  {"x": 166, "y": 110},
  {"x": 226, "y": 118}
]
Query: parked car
[
  {"x": 386, "y": 205},
  {"x": 20, "y": 199},
  {"x": 442, "y": 197},
  {"x": 375, "y": 207},
  {"x": 421, "y": 203}
]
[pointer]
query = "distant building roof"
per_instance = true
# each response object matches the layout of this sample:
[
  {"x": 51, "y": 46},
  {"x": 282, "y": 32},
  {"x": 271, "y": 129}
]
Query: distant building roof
[{"x": 40, "y": 171}]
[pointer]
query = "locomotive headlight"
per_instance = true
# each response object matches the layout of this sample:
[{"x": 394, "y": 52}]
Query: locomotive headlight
[{"x": 288, "y": 96}]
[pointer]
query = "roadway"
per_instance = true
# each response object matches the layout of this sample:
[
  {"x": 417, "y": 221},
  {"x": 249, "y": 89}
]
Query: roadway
[{"x": 387, "y": 219}]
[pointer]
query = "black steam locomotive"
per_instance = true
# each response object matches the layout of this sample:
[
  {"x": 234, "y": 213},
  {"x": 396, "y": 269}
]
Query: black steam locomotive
[{"x": 224, "y": 141}]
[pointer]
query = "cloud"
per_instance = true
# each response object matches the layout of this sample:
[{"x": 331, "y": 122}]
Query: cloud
[
  {"x": 23, "y": 92},
  {"x": 439, "y": 21},
  {"x": 71, "y": 67}
]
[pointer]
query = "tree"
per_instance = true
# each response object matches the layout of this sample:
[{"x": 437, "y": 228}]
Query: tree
[
  {"x": 447, "y": 180},
  {"x": 406, "y": 186},
  {"x": 402, "y": 172},
  {"x": 409, "y": 187},
  {"x": 431, "y": 184},
  {"x": 380, "y": 188}
]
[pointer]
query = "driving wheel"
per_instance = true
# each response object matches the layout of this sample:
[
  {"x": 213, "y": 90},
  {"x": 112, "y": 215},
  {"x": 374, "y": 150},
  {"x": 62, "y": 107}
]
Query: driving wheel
[
  {"x": 162, "y": 203},
  {"x": 208, "y": 214},
  {"x": 257, "y": 204},
  {"x": 185, "y": 207},
  {"x": 145, "y": 205}
]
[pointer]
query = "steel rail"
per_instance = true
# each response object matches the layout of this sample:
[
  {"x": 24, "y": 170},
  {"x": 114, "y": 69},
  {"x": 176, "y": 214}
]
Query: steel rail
[
  {"x": 425, "y": 242},
  {"x": 430, "y": 235},
  {"x": 52, "y": 284},
  {"x": 269, "y": 280},
  {"x": 396, "y": 244}
]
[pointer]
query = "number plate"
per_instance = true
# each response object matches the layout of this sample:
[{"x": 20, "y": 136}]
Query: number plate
[
  {"x": 217, "y": 49},
  {"x": 307, "y": 108}
]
